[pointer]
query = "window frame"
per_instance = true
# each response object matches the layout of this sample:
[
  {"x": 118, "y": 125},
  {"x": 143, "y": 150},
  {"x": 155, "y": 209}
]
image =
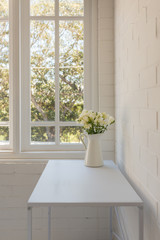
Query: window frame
[
  {"x": 13, "y": 123},
  {"x": 19, "y": 56}
]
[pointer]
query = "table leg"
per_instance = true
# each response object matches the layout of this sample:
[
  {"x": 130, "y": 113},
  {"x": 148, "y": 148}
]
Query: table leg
[
  {"x": 140, "y": 223},
  {"x": 111, "y": 222},
  {"x": 49, "y": 223},
  {"x": 119, "y": 223},
  {"x": 29, "y": 223}
]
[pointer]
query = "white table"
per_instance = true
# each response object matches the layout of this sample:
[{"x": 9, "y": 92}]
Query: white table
[{"x": 70, "y": 183}]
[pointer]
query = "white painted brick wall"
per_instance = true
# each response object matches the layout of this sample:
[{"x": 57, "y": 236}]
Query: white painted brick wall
[
  {"x": 17, "y": 180},
  {"x": 137, "y": 86},
  {"x": 106, "y": 69}
]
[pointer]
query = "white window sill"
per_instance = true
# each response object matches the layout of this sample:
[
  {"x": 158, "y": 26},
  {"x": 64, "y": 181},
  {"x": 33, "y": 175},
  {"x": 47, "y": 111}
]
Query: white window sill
[{"x": 40, "y": 156}]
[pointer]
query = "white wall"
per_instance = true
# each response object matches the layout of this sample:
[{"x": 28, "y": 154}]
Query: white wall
[
  {"x": 137, "y": 41},
  {"x": 17, "y": 180},
  {"x": 16, "y": 184},
  {"x": 106, "y": 70}
]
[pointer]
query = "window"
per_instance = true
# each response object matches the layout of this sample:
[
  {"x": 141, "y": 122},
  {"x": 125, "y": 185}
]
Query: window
[{"x": 46, "y": 67}]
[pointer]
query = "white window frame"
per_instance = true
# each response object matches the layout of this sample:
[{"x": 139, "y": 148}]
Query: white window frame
[
  {"x": 13, "y": 123},
  {"x": 19, "y": 84}
]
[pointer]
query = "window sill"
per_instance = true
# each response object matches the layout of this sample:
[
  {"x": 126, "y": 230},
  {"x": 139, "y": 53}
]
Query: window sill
[{"x": 41, "y": 156}]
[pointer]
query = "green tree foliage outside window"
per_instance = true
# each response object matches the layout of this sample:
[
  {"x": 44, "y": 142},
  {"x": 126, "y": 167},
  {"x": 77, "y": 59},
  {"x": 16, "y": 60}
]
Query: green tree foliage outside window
[
  {"x": 4, "y": 71},
  {"x": 71, "y": 69}
]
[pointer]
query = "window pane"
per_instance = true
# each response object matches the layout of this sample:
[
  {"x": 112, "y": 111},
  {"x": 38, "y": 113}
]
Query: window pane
[
  {"x": 42, "y": 7},
  {"x": 70, "y": 134},
  {"x": 42, "y": 135},
  {"x": 42, "y": 94},
  {"x": 4, "y": 45},
  {"x": 4, "y": 95},
  {"x": 42, "y": 71},
  {"x": 71, "y": 93},
  {"x": 4, "y": 135},
  {"x": 71, "y": 7},
  {"x": 71, "y": 71},
  {"x": 71, "y": 43},
  {"x": 4, "y": 8},
  {"x": 42, "y": 44}
]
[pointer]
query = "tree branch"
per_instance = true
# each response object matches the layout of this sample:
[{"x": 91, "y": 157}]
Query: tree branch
[
  {"x": 37, "y": 106},
  {"x": 72, "y": 85}
]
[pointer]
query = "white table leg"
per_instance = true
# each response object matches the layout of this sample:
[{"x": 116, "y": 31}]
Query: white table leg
[
  {"x": 111, "y": 222},
  {"x": 49, "y": 223},
  {"x": 29, "y": 223},
  {"x": 119, "y": 223},
  {"x": 140, "y": 223}
]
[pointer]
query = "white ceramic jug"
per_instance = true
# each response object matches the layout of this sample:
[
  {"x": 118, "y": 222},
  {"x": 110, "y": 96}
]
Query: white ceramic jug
[{"x": 93, "y": 157}]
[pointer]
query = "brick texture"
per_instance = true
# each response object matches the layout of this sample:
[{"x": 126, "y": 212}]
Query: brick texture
[
  {"x": 18, "y": 180},
  {"x": 137, "y": 94},
  {"x": 106, "y": 69}
]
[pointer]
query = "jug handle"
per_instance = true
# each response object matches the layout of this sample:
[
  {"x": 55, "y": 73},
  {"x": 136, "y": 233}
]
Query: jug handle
[{"x": 82, "y": 135}]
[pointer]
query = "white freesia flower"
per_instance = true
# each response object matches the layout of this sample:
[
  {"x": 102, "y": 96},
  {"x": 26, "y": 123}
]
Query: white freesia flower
[
  {"x": 96, "y": 120},
  {"x": 111, "y": 119},
  {"x": 87, "y": 126},
  {"x": 104, "y": 115},
  {"x": 92, "y": 115},
  {"x": 85, "y": 118},
  {"x": 101, "y": 121}
]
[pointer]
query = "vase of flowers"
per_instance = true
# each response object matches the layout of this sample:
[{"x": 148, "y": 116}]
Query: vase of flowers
[{"x": 94, "y": 124}]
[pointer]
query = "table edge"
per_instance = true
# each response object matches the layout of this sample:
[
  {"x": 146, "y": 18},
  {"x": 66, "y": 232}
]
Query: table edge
[{"x": 89, "y": 204}]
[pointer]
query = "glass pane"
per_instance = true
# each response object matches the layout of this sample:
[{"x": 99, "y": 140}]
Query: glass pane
[
  {"x": 4, "y": 95},
  {"x": 42, "y": 135},
  {"x": 42, "y": 44},
  {"x": 42, "y": 94},
  {"x": 4, "y": 135},
  {"x": 71, "y": 71},
  {"x": 71, "y": 93},
  {"x": 71, "y": 7},
  {"x": 4, "y": 8},
  {"x": 42, "y": 71},
  {"x": 71, "y": 48},
  {"x": 42, "y": 7},
  {"x": 70, "y": 134},
  {"x": 4, "y": 45}
]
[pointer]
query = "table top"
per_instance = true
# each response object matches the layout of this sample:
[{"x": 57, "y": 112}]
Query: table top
[{"x": 70, "y": 182}]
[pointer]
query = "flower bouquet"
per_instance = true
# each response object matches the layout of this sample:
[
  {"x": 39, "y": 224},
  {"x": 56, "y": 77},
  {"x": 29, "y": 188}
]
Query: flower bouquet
[{"x": 95, "y": 122}]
